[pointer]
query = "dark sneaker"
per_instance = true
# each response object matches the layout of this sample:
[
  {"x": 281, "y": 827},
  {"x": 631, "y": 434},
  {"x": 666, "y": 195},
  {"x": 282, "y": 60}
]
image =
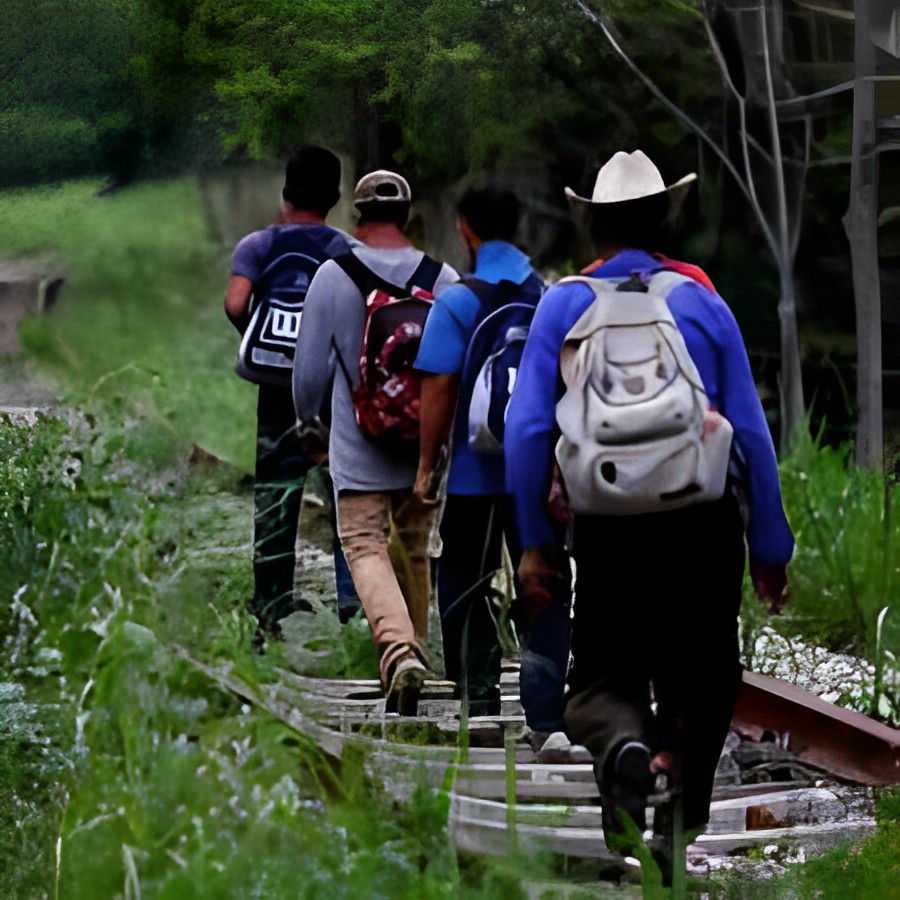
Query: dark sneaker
[
  {"x": 348, "y": 611},
  {"x": 266, "y": 631},
  {"x": 625, "y": 782},
  {"x": 484, "y": 706},
  {"x": 407, "y": 681},
  {"x": 301, "y": 605}
]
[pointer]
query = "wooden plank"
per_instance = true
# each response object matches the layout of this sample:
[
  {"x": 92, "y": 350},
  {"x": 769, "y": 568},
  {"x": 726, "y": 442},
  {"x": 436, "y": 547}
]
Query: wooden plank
[{"x": 556, "y": 804}]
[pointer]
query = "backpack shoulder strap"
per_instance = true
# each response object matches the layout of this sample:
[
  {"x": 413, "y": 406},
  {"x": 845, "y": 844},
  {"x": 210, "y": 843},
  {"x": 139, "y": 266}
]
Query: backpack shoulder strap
[
  {"x": 363, "y": 277},
  {"x": 427, "y": 273},
  {"x": 664, "y": 280}
]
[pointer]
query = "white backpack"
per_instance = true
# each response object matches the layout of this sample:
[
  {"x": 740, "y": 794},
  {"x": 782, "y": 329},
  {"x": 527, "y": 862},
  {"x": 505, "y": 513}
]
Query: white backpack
[{"x": 638, "y": 434}]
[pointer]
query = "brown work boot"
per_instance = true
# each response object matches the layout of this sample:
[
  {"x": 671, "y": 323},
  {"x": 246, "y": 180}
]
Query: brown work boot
[{"x": 407, "y": 681}]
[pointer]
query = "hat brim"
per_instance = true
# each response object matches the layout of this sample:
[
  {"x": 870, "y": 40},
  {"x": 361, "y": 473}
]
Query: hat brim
[{"x": 675, "y": 191}]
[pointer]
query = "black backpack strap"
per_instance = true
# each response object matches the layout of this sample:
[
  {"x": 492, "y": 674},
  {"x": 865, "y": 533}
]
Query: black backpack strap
[
  {"x": 491, "y": 296},
  {"x": 363, "y": 277},
  {"x": 427, "y": 273}
]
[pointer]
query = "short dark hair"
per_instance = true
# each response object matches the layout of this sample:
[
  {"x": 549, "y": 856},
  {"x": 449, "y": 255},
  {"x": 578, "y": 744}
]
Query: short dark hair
[
  {"x": 632, "y": 223},
  {"x": 394, "y": 211},
  {"x": 492, "y": 213},
  {"x": 312, "y": 179}
]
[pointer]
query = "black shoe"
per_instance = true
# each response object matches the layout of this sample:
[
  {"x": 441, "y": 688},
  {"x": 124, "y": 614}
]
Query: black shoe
[
  {"x": 301, "y": 605},
  {"x": 266, "y": 631},
  {"x": 348, "y": 611},
  {"x": 625, "y": 784}
]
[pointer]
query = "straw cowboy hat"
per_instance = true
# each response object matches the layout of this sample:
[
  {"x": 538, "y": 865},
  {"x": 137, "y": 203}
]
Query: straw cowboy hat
[{"x": 631, "y": 176}]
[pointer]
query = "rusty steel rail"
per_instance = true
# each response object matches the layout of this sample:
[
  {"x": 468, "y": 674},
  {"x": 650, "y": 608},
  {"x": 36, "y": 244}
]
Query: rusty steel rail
[{"x": 845, "y": 743}]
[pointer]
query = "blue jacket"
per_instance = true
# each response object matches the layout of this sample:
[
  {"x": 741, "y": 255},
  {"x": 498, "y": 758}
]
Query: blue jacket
[{"x": 715, "y": 344}]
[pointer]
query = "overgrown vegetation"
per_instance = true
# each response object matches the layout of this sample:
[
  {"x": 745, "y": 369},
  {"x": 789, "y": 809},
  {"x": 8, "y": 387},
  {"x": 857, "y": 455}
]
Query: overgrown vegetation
[
  {"x": 846, "y": 570},
  {"x": 130, "y": 86},
  {"x": 154, "y": 780},
  {"x": 158, "y": 782}
]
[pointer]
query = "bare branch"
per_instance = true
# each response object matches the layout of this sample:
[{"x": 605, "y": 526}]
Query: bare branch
[
  {"x": 746, "y": 187},
  {"x": 778, "y": 169}
]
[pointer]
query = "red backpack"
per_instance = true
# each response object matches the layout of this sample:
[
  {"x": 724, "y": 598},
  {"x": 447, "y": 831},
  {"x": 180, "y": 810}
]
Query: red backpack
[{"x": 386, "y": 399}]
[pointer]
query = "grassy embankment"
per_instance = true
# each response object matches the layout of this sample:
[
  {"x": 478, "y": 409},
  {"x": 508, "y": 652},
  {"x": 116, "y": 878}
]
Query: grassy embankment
[{"x": 155, "y": 782}]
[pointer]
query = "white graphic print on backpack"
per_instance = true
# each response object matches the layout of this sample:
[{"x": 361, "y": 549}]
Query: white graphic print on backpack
[
  {"x": 494, "y": 382},
  {"x": 266, "y": 354},
  {"x": 386, "y": 398},
  {"x": 492, "y": 358},
  {"x": 638, "y": 434}
]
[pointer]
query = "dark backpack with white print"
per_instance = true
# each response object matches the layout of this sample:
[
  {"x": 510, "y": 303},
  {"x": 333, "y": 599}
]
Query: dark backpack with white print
[
  {"x": 266, "y": 354},
  {"x": 386, "y": 397},
  {"x": 493, "y": 356}
]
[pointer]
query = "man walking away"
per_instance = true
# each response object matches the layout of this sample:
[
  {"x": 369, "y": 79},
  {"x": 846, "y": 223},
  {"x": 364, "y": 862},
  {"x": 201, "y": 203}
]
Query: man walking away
[
  {"x": 373, "y": 480},
  {"x": 657, "y": 592},
  {"x": 270, "y": 272},
  {"x": 468, "y": 357}
]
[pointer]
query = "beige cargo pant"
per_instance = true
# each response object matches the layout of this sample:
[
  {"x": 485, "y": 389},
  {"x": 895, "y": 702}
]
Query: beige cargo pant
[{"x": 392, "y": 578}]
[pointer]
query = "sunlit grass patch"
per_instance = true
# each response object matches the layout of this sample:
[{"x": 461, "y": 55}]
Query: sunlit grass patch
[{"x": 139, "y": 333}]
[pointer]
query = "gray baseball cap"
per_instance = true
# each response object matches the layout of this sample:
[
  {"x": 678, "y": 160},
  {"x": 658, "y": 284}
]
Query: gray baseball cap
[{"x": 382, "y": 186}]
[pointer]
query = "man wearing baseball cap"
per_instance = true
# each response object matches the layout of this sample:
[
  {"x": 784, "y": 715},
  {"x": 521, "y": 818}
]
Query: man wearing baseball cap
[
  {"x": 657, "y": 593},
  {"x": 373, "y": 482}
]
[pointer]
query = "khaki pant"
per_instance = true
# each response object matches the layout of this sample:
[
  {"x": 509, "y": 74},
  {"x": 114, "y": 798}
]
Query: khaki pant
[{"x": 392, "y": 578}]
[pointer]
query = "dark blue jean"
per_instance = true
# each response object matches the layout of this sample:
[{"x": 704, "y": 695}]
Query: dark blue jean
[{"x": 473, "y": 529}]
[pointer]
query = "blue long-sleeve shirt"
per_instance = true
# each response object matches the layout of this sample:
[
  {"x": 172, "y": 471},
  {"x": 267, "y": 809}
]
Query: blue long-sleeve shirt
[{"x": 715, "y": 344}]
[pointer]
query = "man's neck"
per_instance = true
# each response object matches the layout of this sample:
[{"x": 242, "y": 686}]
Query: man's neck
[
  {"x": 291, "y": 216},
  {"x": 385, "y": 235}
]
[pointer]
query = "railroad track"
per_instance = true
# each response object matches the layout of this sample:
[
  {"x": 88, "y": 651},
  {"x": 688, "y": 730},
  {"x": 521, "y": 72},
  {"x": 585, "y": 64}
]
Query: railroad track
[{"x": 503, "y": 797}]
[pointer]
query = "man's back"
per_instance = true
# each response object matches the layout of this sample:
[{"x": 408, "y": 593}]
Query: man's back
[
  {"x": 280, "y": 262},
  {"x": 335, "y": 318}
]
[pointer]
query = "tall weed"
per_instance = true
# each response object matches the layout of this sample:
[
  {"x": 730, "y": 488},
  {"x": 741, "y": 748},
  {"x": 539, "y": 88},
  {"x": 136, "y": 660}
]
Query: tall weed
[{"x": 846, "y": 568}]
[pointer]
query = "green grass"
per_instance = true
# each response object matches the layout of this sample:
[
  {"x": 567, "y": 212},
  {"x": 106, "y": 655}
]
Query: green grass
[
  {"x": 156, "y": 782},
  {"x": 139, "y": 331},
  {"x": 845, "y": 574},
  {"x": 124, "y": 771}
]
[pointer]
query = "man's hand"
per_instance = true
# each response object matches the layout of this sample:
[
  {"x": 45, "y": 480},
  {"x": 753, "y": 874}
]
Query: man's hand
[
  {"x": 536, "y": 583},
  {"x": 425, "y": 490},
  {"x": 771, "y": 585},
  {"x": 313, "y": 438},
  {"x": 429, "y": 479}
]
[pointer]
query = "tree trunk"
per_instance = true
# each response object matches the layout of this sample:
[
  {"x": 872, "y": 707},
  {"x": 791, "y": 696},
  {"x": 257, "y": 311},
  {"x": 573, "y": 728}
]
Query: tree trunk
[
  {"x": 861, "y": 227},
  {"x": 793, "y": 408}
]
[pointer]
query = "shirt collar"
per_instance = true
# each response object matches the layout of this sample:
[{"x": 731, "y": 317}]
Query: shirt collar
[
  {"x": 499, "y": 261},
  {"x": 622, "y": 264}
]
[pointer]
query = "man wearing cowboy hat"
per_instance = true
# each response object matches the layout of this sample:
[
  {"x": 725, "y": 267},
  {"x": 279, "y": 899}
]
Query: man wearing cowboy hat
[{"x": 657, "y": 594}]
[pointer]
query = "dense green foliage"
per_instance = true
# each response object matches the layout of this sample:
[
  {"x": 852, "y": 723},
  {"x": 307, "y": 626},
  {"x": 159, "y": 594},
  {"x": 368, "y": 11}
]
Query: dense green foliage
[
  {"x": 442, "y": 87},
  {"x": 847, "y": 566},
  {"x": 157, "y": 782}
]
